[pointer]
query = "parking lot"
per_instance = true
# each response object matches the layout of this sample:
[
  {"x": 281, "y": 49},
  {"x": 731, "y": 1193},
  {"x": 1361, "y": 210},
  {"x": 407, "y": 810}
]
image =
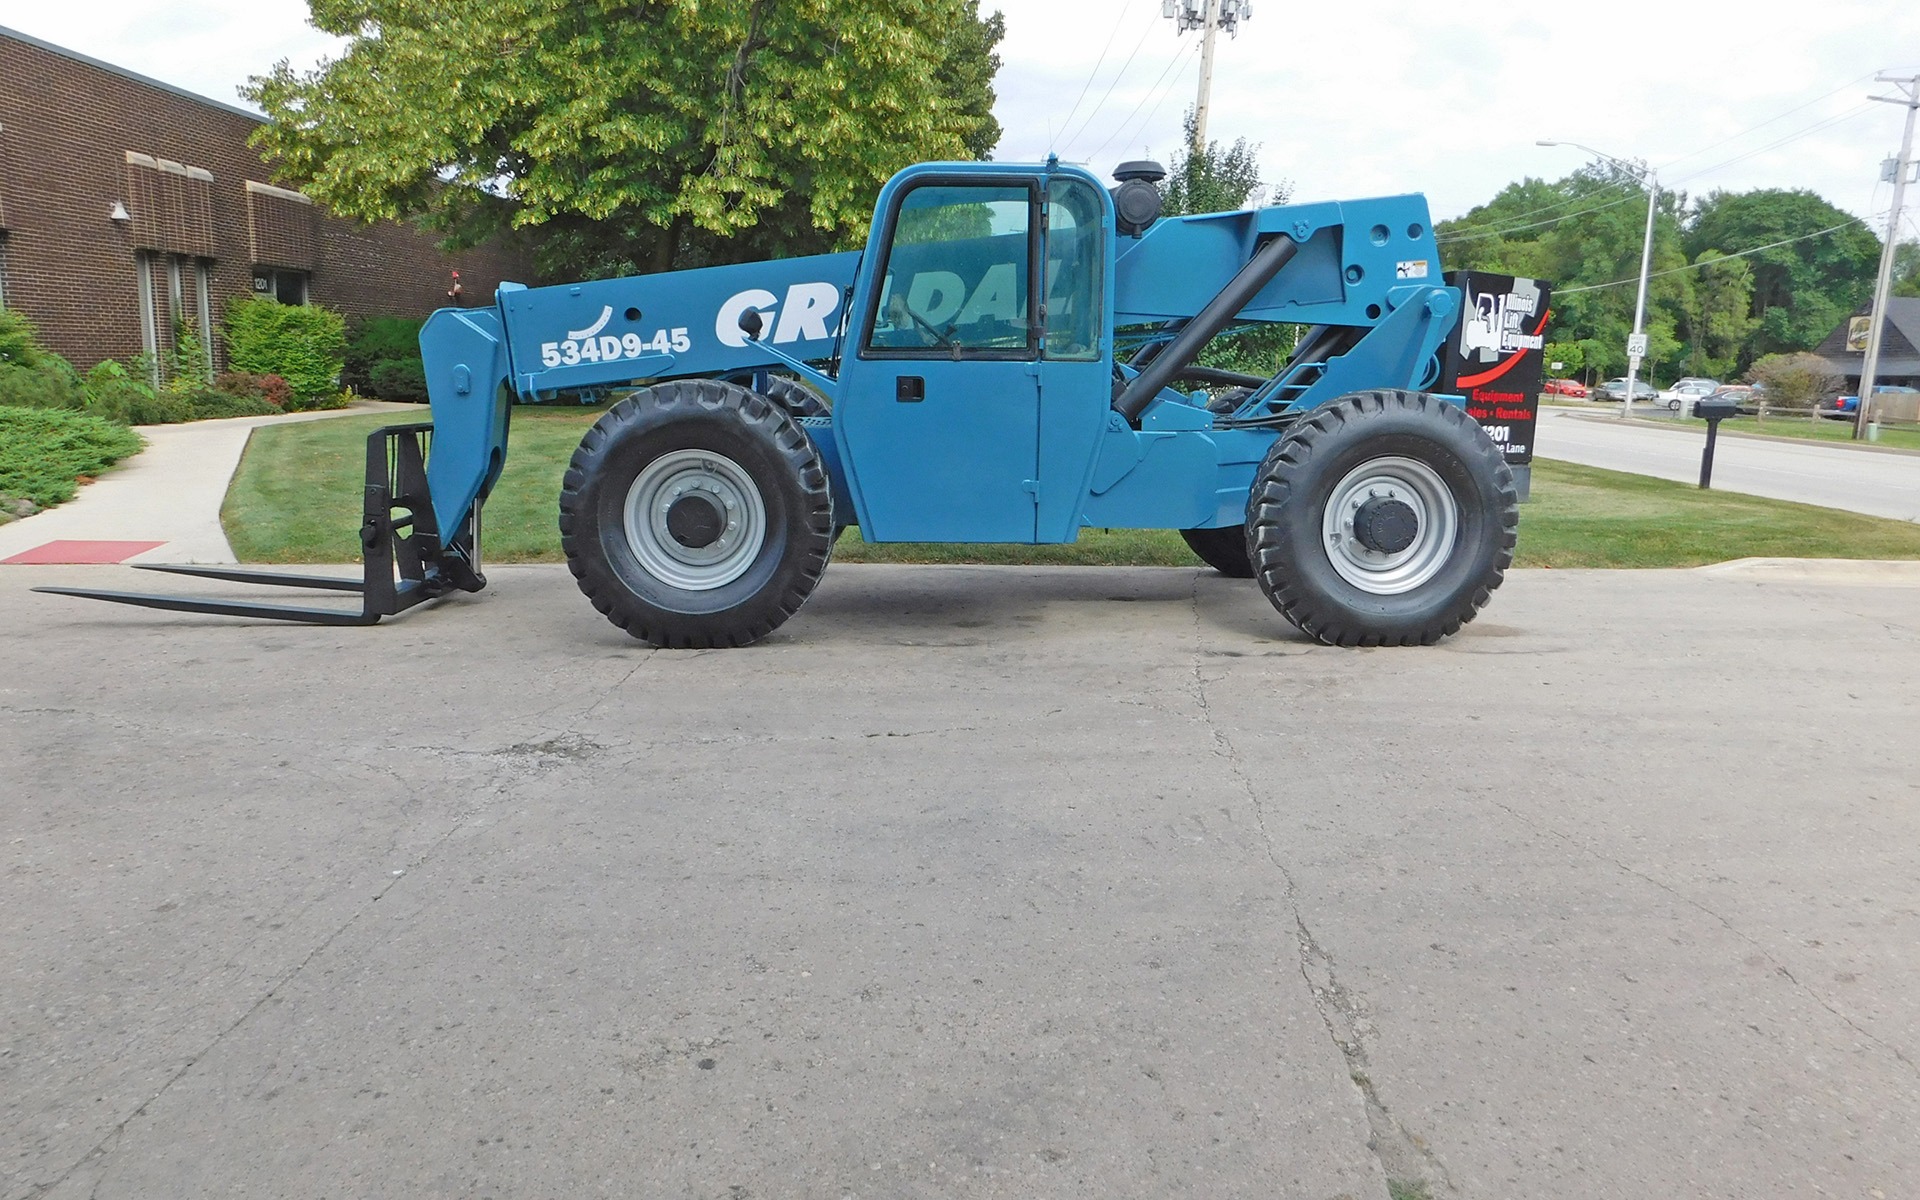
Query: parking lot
[{"x": 969, "y": 882}]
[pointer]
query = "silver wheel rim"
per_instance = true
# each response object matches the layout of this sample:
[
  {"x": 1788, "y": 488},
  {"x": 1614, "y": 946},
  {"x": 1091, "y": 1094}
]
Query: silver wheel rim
[
  {"x": 1436, "y": 516},
  {"x": 716, "y": 479}
]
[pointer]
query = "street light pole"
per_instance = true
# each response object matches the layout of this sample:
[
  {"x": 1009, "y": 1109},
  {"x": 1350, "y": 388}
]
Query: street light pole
[{"x": 1637, "y": 343}]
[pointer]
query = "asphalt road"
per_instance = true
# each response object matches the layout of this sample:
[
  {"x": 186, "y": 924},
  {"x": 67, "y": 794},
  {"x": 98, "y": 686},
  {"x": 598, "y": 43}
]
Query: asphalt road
[
  {"x": 971, "y": 882},
  {"x": 1878, "y": 483}
]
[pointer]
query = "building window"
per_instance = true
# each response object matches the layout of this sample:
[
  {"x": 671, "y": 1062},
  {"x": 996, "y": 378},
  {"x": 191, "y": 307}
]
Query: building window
[
  {"x": 3, "y": 271},
  {"x": 203, "y": 293},
  {"x": 176, "y": 308},
  {"x": 149, "y": 330},
  {"x": 288, "y": 287}
]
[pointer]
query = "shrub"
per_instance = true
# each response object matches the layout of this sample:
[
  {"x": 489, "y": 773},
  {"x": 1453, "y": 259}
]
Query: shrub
[
  {"x": 1793, "y": 381},
  {"x": 160, "y": 408},
  {"x": 213, "y": 405},
  {"x": 187, "y": 369},
  {"x": 376, "y": 340},
  {"x": 112, "y": 392},
  {"x": 19, "y": 340},
  {"x": 49, "y": 383},
  {"x": 303, "y": 344},
  {"x": 44, "y": 453},
  {"x": 400, "y": 379},
  {"x": 269, "y": 389}
]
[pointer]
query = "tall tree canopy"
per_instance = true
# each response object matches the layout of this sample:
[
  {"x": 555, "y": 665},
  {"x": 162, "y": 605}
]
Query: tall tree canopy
[
  {"x": 632, "y": 137},
  {"x": 1800, "y": 291},
  {"x": 1585, "y": 232}
]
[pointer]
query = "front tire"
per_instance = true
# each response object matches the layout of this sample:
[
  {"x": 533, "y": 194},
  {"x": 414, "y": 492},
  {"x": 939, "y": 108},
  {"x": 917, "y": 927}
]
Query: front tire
[
  {"x": 696, "y": 514},
  {"x": 1385, "y": 518}
]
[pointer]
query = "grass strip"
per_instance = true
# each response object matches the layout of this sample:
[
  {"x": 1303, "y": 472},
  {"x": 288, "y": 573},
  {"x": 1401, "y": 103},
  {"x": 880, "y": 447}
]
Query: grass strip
[{"x": 296, "y": 499}]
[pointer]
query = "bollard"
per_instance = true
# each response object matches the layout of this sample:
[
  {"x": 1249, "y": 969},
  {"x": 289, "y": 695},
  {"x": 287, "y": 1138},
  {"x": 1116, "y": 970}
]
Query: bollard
[{"x": 1712, "y": 412}]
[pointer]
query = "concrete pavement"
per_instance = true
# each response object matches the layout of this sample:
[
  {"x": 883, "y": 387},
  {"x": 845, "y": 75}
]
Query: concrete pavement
[
  {"x": 969, "y": 882},
  {"x": 169, "y": 493},
  {"x": 1876, "y": 482}
]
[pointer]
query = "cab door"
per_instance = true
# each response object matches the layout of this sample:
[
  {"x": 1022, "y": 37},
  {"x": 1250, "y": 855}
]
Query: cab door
[
  {"x": 1076, "y": 366},
  {"x": 938, "y": 418}
]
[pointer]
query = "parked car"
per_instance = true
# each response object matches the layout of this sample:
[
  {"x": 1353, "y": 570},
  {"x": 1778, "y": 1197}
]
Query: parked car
[
  {"x": 1843, "y": 408},
  {"x": 1616, "y": 389},
  {"x": 1564, "y": 387},
  {"x": 1685, "y": 391}
]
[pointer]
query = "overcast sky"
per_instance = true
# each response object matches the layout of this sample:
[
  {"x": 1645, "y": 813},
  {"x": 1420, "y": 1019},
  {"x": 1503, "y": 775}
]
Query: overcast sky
[{"x": 1366, "y": 97}]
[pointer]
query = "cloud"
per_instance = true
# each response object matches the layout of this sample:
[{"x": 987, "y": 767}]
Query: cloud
[{"x": 1368, "y": 97}]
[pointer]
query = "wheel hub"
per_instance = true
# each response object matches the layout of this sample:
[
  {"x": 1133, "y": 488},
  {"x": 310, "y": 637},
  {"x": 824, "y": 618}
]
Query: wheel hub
[
  {"x": 695, "y": 522},
  {"x": 1390, "y": 525},
  {"x": 1385, "y": 524}
]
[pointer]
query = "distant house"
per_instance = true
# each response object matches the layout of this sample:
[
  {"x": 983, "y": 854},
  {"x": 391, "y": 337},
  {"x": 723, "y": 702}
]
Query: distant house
[
  {"x": 128, "y": 206},
  {"x": 1846, "y": 347}
]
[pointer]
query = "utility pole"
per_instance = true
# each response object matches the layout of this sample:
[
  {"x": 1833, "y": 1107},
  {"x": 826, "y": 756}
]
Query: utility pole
[
  {"x": 1208, "y": 16},
  {"x": 1902, "y": 167}
]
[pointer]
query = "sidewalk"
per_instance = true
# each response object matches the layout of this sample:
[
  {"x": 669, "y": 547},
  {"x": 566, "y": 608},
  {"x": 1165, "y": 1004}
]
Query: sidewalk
[{"x": 161, "y": 505}]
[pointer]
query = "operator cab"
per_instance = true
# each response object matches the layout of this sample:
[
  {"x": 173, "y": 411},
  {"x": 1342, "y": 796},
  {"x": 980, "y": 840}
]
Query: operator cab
[{"x": 958, "y": 383}]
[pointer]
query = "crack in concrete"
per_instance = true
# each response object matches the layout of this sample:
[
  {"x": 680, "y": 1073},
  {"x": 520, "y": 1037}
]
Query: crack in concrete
[
  {"x": 607, "y": 695},
  {"x": 1758, "y": 946},
  {"x": 1403, "y": 1156},
  {"x": 102, "y": 1150}
]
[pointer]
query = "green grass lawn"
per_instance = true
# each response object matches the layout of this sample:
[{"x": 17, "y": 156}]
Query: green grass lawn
[{"x": 296, "y": 499}]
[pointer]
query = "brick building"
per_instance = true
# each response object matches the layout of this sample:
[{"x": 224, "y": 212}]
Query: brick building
[{"x": 128, "y": 205}]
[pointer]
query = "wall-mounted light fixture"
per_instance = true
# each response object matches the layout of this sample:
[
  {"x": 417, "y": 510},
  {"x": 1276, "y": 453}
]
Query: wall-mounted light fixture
[{"x": 119, "y": 213}]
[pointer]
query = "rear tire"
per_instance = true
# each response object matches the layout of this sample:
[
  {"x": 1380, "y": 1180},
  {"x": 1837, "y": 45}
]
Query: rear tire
[
  {"x": 1386, "y": 518},
  {"x": 696, "y": 514},
  {"x": 797, "y": 398},
  {"x": 1224, "y": 549}
]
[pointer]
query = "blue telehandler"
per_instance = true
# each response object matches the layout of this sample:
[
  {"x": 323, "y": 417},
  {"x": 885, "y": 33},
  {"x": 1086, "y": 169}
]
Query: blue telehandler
[{"x": 1012, "y": 358}]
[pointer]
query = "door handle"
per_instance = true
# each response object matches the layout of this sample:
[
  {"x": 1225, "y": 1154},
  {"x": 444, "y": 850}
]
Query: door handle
[{"x": 910, "y": 389}]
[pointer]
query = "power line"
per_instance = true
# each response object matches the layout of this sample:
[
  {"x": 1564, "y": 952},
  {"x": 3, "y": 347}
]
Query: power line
[
  {"x": 1088, "y": 85},
  {"x": 1594, "y": 287},
  {"x": 1770, "y": 120},
  {"x": 1500, "y": 223},
  {"x": 1165, "y": 87},
  {"x": 1488, "y": 231},
  {"x": 1118, "y": 75},
  {"x": 1474, "y": 237},
  {"x": 1849, "y": 115}
]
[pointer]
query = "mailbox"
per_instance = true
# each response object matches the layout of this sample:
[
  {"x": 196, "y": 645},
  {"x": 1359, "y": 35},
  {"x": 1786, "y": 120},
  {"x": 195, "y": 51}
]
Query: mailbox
[{"x": 1712, "y": 410}]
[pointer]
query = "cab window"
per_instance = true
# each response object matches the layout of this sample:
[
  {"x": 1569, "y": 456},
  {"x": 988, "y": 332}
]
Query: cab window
[
  {"x": 955, "y": 282},
  {"x": 1075, "y": 285}
]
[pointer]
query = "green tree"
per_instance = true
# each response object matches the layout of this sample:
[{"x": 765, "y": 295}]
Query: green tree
[
  {"x": 1801, "y": 290},
  {"x": 1218, "y": 179},
  {"x": 1571, "y": 356},
  {"x": 1719, "y": 316},
  {"x": 1583, "y": 234},
  {"x": 1906, "y": 269},
  {"x": 631, "y": 138},
  {"x": 1227, "y": 179}
]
